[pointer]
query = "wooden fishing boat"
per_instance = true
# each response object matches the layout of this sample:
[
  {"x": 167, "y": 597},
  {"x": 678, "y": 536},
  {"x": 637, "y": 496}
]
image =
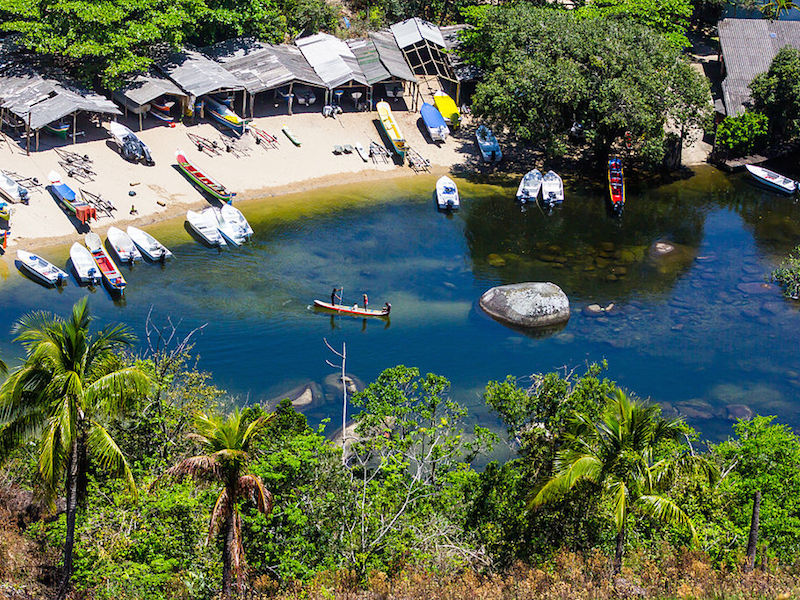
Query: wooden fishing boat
[
  {"x": 552, "y": 188},
  {"x": 162, "y": 105},
  {"x": 392, "y": 129},
  {"x": 290, "y": 134},
  {"x": 206, "y": 183},
  {"x": 82, "y": 210},
  {"x": 84, "y": 266},
  {"x": 447, "y": 194},
  {"x": 5, "y": 210},
  {"x": 205, "y": 226},
  {"x": 111, "y": 274},
  {"x": 771, "y": 179},
  {"x": 40, "y": 269},
  {"x": 529, "y": 186},
  {"x": 355, "y": 309},
  {"x": 162, "y": 116},
  {"x": 434, "y": 122},
  {"x": 488, "y": 145},
  {"x": 150, "y": 246},
  {"x": 447, "y": 107},
  {"x": 222, "y": 114},
  {"x": 616, "y": 185},
  {"x": 59, "y": 130},
  {"x": 12, "y": 190},
  {"x": 123, "y": 246}
]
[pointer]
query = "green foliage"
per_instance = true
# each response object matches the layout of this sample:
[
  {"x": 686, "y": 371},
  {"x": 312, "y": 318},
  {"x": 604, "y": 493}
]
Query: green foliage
[
  {"x": 775, "y": 8},
  {"x": 742, "y": 135},
  {"x": 668, "y": 17},
  {"x": 547, "y": 69},
  {"x": 787, "y": 275},
  {"x": 776, "y": 93}
]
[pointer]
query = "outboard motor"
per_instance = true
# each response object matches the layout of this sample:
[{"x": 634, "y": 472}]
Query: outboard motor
[{"x": 148, "y": 160}]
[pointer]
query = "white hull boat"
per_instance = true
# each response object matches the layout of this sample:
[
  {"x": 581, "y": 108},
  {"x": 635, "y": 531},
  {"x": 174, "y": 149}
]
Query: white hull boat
[
  {"x": 123, "y": 246},
  {"x": 12, "y": 190},
  {"x": 772, "y": 180},
  {"x": 228, "y": 225},
  {"x": 149, "y": 246},
  {"x": 130, "y": 146},
  {"x": 233, "y": 215},
  {"x": 447, "y": 194},
  {"x": 488, "y": 145},
  {"x": 205, "y": 225},
  {"x": 84, "y": 265},
  {"x": 529, "y": 186},
  {"x": 39, "y": 268},
  {"x": 552, "y": 188}
]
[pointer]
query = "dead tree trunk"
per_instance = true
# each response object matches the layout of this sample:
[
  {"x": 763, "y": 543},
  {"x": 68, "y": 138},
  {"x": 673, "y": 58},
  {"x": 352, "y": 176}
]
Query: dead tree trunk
[{"x": 752, "y": 539}]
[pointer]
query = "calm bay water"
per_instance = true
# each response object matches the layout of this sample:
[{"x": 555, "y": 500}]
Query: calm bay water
[{"x": 694, "y": 331}]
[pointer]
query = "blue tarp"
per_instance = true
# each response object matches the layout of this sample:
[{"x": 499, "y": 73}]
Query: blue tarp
[{"x": 431, "y": 116}]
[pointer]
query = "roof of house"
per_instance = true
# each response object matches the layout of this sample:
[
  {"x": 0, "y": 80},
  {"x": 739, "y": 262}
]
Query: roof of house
[
  {"x": 412, "y": 31},
  {"x": 461, "y": 69},
  {"x": 197, "y": 75},
  {"x": 391, "y": 55},
  {"x": 261, "y": 66},
  {"x": 332, "y": 59},
  {"x": 748, "y": 47},
  {"x": 146, "y": 87}
]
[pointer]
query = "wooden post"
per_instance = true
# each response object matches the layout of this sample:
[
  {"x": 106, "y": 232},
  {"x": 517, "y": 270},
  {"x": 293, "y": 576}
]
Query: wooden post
[
  {"x": 37, "y": 140},
  {"x": 244, "y": 103},
  {"x": 140, "y": 121},
  {"x": 252, "y": 105},
  {"x": 74, "y": 127},
  {"x": 458, "y": 94},
  {"x": 291, "y": 97},
  {"x": 28, "y": 134}
]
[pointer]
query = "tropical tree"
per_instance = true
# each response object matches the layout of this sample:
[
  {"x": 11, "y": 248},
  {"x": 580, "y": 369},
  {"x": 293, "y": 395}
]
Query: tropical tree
[
  {"x": 776, "y": 8},
  {"x": 226, "y": 443},
  {"x": 69, "y": 385},
  {"x": 629, "y": 453}
]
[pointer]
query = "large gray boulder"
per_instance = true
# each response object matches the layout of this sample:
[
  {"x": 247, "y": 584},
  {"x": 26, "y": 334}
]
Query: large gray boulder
[{"x": 527, "y": 305}]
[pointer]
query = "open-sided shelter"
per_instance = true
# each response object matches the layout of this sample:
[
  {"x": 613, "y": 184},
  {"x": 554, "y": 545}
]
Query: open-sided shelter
[
  {"x": 334, "y": 62},
  {"x": 383, "y": 63},
  {"x": 136, "y": 95}
]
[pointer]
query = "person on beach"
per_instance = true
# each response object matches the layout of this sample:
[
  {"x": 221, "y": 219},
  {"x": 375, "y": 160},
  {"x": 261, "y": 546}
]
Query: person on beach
[{"x": 366, "y": 300}]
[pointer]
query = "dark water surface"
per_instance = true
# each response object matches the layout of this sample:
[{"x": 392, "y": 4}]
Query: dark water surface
[{"x": 693, "y": 330}]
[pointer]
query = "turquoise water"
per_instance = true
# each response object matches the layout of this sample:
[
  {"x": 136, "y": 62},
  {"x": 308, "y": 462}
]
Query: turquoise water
[{"x": 694, "y": 331}]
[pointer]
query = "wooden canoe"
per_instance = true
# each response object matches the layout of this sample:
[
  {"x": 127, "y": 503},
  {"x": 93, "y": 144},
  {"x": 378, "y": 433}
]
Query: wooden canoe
[
  {"x": 355, "y": 309},
  {"x": 111, "y": 274},
  {"x": 616, "y": 185},
  {"x": 391, "y": 128},
  {"x": 203, "y": 181}
]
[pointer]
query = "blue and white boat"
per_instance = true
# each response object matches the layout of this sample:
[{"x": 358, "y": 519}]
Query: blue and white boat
[
  {"x": 529, "y": 186},
  {"x": 772, "y": 180},
  {"x": 224, "y": 115},
  {"x": 434, "y": 122},
  {"x": 447, "y": 194},
  {"x": 488, "y": 145}
]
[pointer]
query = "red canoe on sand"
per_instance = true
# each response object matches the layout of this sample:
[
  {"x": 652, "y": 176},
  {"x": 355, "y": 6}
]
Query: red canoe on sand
[{"x": 355, "y": 309}]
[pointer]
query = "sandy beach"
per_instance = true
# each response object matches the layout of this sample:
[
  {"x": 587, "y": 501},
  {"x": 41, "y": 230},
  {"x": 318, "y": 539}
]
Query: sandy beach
[{"x": 161, "y": 191}]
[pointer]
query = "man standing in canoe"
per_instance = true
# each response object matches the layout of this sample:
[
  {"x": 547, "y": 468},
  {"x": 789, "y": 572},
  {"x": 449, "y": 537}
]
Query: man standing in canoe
[
  {"x": 366, "y": 300},
  {"x": 334, "y": 297}
]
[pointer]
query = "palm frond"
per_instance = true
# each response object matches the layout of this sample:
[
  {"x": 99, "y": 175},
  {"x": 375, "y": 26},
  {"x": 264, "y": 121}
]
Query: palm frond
[
  {"x": 116, "y": 392},
  {"x": 581, "y": 467},
  {"x": 254, "y": 429},
  {"x": 109, "y": 455},
  {"x": 619, "y": 498},
  {"x": 52, "y": 456},
  {"x": 218, "y": 514},
  {"x": 202, "y": 468},
  {"x": 23, "y": 427},
  {"x": 251, "y": 486},
  {"x": 664, "y": 510},
  {"x": 3, "y": 368}
]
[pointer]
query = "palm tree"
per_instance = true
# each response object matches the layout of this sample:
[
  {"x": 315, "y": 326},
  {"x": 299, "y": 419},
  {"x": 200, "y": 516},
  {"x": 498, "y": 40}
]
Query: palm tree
[
  {"x": 775, "y": 8},
  {"x": 69, "y": 384},
  {"x": 226, "y": 443},
  {"x": 618, "y": 454}
]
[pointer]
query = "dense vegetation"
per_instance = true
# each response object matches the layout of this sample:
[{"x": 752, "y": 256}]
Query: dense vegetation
[{"x": 599, "y": 481}]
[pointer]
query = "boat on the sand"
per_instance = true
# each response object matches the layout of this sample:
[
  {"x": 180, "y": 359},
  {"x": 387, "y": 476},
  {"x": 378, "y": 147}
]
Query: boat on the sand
[
  {"x": 82, "y": 210},
  {"x": 111, "y": 274},
  {"x": 203, "y": 181},
  {"x": 392, "y": 129},
  {"x": 447, "y": 108},
  {"x": 488, "y": 145},
  {"x": 12, "y": 190},
  {"x": 354, "y": 309},
  {"x": 130, "y": 146},
  {"x": 434, "y": 122},
  {"x": 223, "y": 114},
  {"x": 40, "y": 269}
]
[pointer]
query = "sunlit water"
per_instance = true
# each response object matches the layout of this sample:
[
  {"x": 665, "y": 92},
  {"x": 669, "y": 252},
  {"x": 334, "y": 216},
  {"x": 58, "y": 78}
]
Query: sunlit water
[{"x": 693, "y": 331}]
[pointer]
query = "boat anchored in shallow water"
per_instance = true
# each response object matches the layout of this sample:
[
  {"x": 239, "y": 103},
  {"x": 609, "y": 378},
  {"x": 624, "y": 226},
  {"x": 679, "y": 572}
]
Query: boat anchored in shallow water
[
  {"x": 123, "y": 246},
  {"x": 111, "y": 275},
  {"x": 529, "y": 186},
  {"x": 552, "y": 188},
  {"x": 230, "y": 223},
  {"x": 83, "y": 263},
  {"x": 149, "y": 246},
  {"x": 41, "y": 270},
  {"x": 205, "y": 225},
  {"x": 447, "y": 194},
  {"x": 771, "y": 179},
  {"x": 616, "y": 185}
]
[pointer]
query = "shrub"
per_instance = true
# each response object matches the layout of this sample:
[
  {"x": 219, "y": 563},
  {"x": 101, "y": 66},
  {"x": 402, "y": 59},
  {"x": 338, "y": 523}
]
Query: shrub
[
  {"x": 787, "y": 275},
  {"x": 742, "y": 135}
]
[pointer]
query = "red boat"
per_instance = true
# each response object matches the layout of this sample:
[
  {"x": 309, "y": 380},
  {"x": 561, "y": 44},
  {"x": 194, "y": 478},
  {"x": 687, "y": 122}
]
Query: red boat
[
  {"x": 203, "y": 181},
  {"x": 355, "y": 309},
  {"x": 111, "y": 275},
  {"x": 616, "y": 185}
]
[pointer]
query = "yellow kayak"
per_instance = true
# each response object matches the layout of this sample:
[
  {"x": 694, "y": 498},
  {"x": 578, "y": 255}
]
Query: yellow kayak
[{"x": 447, "y": 107}]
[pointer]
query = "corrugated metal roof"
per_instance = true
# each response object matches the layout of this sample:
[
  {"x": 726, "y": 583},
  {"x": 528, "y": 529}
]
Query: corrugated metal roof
[
  {"x": 368, "y": 60},
  {"x": 197, "y": 74},
  {"x": 462, "y": 70},
  {"x": 391, "y": 55},
  {"x": 748, "y": 47},
  {"x": 411, "y": 31},
  {"x": 147, "y": 87},
  {"x": 262, "y": 67},
  {"x": 332, "y": 59}
]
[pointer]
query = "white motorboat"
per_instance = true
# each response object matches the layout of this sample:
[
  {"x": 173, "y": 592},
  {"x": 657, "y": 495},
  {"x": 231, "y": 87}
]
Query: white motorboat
[
  {"x": 233, "y": 215},
  {"x": 150, "y": 246},
  {"x": 228, "y": 225},
  {"x": 12, "y": 190},
  {"x": 529, "y": 186},
  {"x": 46, "y": 272},
  {"x": 488, "y": 145},
  {"x": 205, "y": 225},
  {"x": 772, "y": 180},
  {"x": 552, "y": 188},
  {"x": 84, "y": 265},
  {"x": 123, "y": 246},
  {"x": 447, "y": 194},
  {"x": 130, "y": 146}
]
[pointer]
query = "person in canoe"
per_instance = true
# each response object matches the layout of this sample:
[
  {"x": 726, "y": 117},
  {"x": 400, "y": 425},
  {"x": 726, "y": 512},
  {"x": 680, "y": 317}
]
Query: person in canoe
[
  {"x": 387, "y": 308},
  {"x": 334, "y": 296},
  {"x": 366, "y": 301}
]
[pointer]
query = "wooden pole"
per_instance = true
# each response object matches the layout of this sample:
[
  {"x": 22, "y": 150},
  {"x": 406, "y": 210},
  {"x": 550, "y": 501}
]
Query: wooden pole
[
  {"x": 28, "y": 135},
  {"x": 244, "y": 103},
  {"x": 37, "y": 140},
  {"x": 458, "y": 94},
  {"x": 252, "y": 105},
  {"x": 140, "y": 121},
  {"x": 74, "y": 127},
  {"x": 291, "y": 97}
]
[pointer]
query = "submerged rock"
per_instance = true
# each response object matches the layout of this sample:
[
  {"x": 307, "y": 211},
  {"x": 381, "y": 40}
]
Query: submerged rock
[
  {"x": 527, "y": 305},
  {"x": 757, "y": 288},
  {"x": 739, "y": 411}
]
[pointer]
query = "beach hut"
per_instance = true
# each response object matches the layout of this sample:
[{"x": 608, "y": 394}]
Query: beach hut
[
  {"x": 262, "y": 67},
  {"x": 336, "y": 65},
  {"x": 139, "y": 92},
  {"x": 383, "y": 64}
]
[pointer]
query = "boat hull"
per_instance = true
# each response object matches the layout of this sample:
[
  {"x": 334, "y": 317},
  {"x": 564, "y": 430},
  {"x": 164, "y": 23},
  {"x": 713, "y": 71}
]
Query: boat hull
[
  {"x": 205, "y": 183},
  {"x": 616, "y": 186},
  {"x": 391, "y": 129},
  {"x": 447, "y": 107},
  {"x": 772, "y": 180},
  {"x": 112, "y": 276},
  {"x": 41, "y": 270},
  {"x": 351, "y": 310},
  {"x": 434, "y": 123}
]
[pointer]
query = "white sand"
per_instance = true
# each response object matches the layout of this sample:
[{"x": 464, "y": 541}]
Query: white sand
[{"x": 262, "y": 173}]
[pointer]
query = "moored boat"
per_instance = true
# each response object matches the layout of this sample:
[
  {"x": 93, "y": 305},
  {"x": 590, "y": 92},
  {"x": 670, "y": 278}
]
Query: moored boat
[
  {"x": 234, "y": 215},
  {"x": 392, "y": 129},
  {"x": 12, "y": 190},
  {"x": 355, "y": 309},
  {"x": 59, "y": 130},
  {"x": 228, "y": 225},
  {"x": 529, "y": 186},
  {"x": 206, "y": 183},
  {"x": 83, "y": 263},
  {"x": 447, "y": 194},
  {"x": 616, "y": 185},
  {"x": 488, "y": 145},
  {"x": 40, "y": 269},
  {"x": 205, "y": 225},
  {"x": 434, "y": 122},
  {"x": 123, "y": 245},
  {"x": 552, "y": 188},
  {"x": 447, "y": 108},
  {"x": 130, "y": 146},
  {"x": 150, "y": 246},
  {"x": 82, "y": 210},
  {"x": 772, "y": 180},
  {"x": 290, "y": 134},
  {"x": 223, "y": 114},
  {"x": 111, "y": 274}
]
